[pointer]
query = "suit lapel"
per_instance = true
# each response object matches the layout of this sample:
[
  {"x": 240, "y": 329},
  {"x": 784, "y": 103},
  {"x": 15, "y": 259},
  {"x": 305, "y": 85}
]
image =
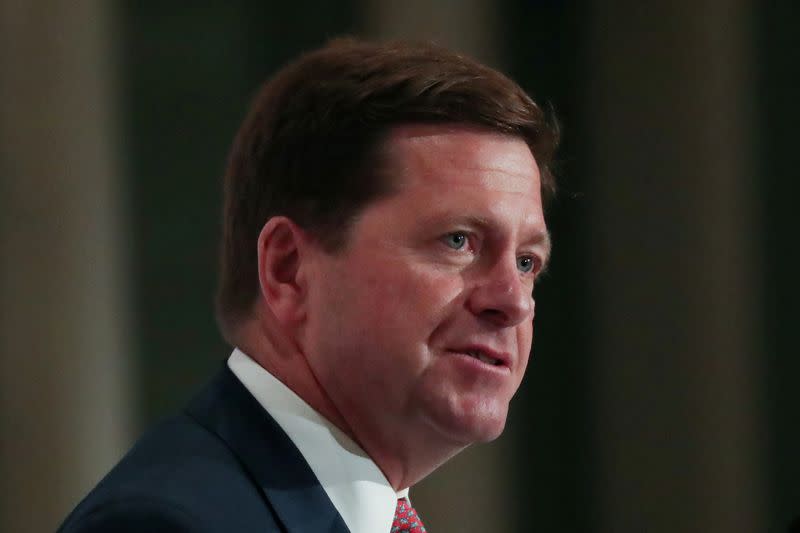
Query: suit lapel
[{"x": 227, "y": 409}]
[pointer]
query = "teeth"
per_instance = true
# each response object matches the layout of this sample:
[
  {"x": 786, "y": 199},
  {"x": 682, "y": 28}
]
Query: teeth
[{"x": 483, "y": 358}]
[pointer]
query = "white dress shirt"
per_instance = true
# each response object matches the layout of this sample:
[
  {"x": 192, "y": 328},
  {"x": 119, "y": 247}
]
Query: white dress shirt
[{"x": 354, "y": 483}]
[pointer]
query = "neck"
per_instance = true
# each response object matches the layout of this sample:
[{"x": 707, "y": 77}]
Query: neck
[
  {"x": 402, "y": 463},
  {"x": 406, "y": 461},
  {"x": 280, "y": 356}
]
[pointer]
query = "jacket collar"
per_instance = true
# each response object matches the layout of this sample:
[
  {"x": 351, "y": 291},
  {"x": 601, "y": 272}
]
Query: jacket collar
[{"x": 227, "y": 409}]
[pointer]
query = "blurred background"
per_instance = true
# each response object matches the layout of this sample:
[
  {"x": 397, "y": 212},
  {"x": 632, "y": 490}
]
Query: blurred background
[{"x": 662, "y": 391}]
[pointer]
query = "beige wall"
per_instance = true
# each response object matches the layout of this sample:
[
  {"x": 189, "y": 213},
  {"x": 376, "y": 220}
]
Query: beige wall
[{"x": 64, "y": 388}]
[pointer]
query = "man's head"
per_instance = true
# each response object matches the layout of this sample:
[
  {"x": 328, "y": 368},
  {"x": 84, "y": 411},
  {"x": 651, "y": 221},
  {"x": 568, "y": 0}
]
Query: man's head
[
  {"x": 310, "y": 147},
  {"x": 384, "y": 226}
]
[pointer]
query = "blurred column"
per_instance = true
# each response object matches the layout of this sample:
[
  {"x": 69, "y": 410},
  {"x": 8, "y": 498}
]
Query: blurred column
[
  {"x": 64, "y": 407},
  {"x": 674, "y": 229},
  {"x": 472, "y": 492}
]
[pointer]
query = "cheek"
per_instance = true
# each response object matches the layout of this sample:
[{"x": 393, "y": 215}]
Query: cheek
[
  {"x": 524, "y": 343},
  {"x": 525, "y": 334},
  {"x": 410, "y": 294}
]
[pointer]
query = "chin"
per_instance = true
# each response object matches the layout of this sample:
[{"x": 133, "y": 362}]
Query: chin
[
  {"x": 488, "y": 432},
  {"x": 471, "y": 427}
]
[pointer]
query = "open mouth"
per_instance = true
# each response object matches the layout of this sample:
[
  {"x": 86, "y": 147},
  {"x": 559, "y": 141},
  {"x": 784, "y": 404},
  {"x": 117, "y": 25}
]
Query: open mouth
[{"x": 482, "y": 357}]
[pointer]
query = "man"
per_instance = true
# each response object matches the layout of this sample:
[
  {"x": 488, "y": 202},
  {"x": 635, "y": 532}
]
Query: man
[{"x": 383, "y": 234}]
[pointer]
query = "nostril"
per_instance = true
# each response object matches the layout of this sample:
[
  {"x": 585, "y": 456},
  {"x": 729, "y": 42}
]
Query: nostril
[{"x": 495, "y": 316}]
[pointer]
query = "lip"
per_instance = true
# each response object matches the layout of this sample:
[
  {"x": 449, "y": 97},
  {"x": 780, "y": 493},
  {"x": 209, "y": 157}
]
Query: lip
[{"x": 503, "y": 357}]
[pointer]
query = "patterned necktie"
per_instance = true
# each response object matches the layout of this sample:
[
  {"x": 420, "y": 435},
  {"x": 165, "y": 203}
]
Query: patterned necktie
[{"x": 406, "y": 519}]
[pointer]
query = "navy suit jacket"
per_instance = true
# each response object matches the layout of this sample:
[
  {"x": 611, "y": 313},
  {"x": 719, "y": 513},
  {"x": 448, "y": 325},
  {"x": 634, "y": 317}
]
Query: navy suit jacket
[{"x": 223, "y": 465}]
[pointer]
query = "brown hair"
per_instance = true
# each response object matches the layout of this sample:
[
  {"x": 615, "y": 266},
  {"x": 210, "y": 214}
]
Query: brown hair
[{"x": 308, "y": 148}]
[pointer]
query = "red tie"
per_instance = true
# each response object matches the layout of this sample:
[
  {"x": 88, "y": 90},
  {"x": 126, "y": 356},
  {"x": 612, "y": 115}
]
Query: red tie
[{"x": 406, "y": 519}]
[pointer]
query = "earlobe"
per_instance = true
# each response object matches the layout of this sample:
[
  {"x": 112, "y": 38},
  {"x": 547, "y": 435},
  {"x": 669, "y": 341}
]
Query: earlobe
[{"x": 280, "y": 247}]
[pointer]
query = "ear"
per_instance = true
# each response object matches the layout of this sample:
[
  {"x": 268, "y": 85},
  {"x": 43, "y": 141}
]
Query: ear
[{"x": 280, "y": 253}]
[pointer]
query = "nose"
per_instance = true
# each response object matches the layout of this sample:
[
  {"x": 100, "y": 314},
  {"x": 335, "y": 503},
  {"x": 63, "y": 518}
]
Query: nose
[{"x": 501, "y": 296}]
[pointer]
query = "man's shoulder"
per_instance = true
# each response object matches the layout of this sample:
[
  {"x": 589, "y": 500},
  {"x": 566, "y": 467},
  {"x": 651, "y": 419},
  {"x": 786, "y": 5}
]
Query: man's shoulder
[
  {"x": 179, "y": 477},
  {"x": 176, "y": 457}
]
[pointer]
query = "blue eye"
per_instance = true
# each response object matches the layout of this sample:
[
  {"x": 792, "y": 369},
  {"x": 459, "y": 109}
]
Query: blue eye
[
  {"x": 456, "y": 240},
  {"x": 525, "y": 263}
]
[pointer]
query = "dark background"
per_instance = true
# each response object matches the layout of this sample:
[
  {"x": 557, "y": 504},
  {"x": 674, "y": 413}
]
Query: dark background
[{"x": 189, "y": 73}]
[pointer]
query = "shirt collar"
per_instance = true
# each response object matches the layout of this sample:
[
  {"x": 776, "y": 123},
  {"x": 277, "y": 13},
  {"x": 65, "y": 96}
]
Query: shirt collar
[{"x": 353, "y": 482}]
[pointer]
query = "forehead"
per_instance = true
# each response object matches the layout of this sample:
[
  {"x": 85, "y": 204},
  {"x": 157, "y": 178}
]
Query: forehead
[
  {"x": 460, "y": 156},
  {"x": 455, "y": 176}
]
